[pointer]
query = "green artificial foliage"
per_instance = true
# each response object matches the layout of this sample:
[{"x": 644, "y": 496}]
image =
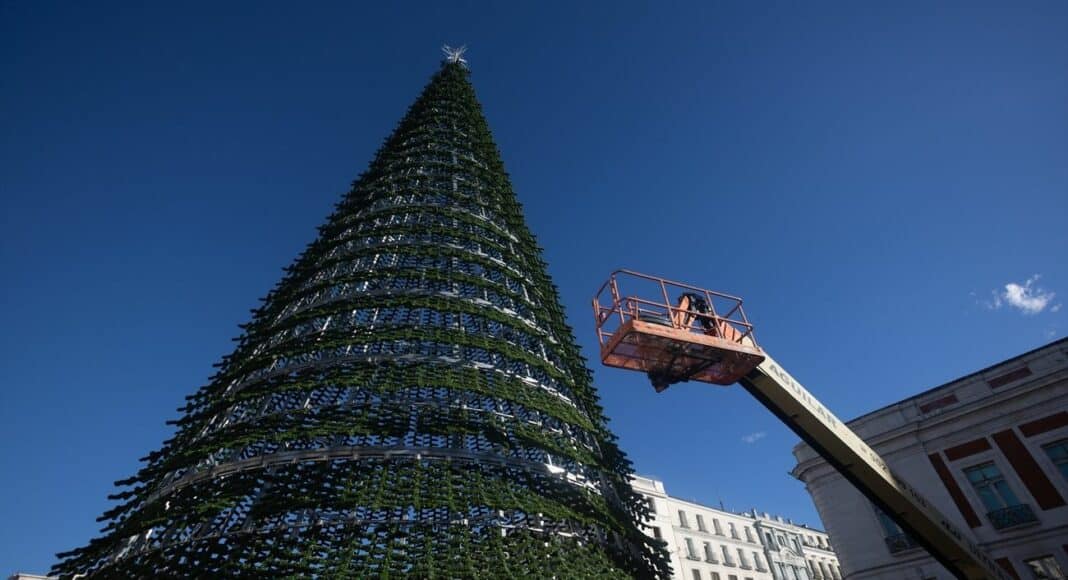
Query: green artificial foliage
[{"x": 408, "y": 401}]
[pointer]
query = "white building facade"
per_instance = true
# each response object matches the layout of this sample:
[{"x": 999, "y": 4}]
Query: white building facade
[
  {"x": 989, "y": 450},
  {"x": 794, "y": 551},
  {"x": 706, "y": 543}
]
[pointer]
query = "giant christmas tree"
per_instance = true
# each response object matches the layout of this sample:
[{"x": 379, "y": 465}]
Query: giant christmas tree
[{"x": 407, "y": 401}]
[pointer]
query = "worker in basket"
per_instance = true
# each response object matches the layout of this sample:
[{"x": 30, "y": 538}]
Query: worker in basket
[
  {"x": 694, "y": 306},
  {"x": 691, "y": 306}
]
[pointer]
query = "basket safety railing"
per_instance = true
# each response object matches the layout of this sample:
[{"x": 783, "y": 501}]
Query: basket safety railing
[{"x": 629, "y": 295}]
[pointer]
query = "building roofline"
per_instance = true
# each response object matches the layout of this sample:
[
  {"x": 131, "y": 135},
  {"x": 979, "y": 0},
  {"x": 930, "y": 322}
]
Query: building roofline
[
  {"x": 958, "y": 379},
  {"x": 756, "y": 516}
]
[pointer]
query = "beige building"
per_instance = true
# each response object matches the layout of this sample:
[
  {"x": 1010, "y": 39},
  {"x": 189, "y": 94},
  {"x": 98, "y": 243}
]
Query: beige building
[
  {"x": 706, "y": 543},
  {"x": 989, "y": 449}
]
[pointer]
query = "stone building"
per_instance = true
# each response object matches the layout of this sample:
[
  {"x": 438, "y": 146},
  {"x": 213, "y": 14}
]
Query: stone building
[
  {"x": 989, "y": 449},
  {"x": 791, "y": 548},
  {"x": 707, "y": 543}
]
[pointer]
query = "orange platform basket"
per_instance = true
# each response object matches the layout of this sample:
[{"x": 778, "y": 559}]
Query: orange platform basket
[{"x": 672, "y": 331}]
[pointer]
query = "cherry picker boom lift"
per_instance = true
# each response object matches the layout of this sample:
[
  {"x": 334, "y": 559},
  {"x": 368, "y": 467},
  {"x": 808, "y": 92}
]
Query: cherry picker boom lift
[{"x": 675, "y": 332}]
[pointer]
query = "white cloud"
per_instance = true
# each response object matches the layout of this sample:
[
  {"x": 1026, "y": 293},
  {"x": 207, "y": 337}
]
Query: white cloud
[
  {"x": 1028, "y": 297},
  {"x": 754, "y": 437},
  {"x": 1055, "y": 308}
]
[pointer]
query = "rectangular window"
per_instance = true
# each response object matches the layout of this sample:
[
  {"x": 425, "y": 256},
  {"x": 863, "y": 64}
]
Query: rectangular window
[
  {"x": 732, "y": 577},
  {"x": 1058, "y": 454},
  {"x": 742, "y": 561},
  {"x": 757, "y": 562},
  {"x": 991, "y": 487},
  {"x": 682, "y": 519},
  {"x": 715, "y": 575},
  {"x": 749, "y": 535},
  {"x": 734, "y": 531},
  {"x": 896, "y": 539},
  {"x": 1003, "y": 508},
  {"x": 710, "y": 556},
  {"x": 691, "y": 552},
  {"x": 656, "y": 533},
  {"x": 696, "y": 574},
  {"x": 652, "y": 504},
  {"x": 1044, "y": 567},
  {"x": 701, "y": 523},
  {"x": 727, "y": 560},
  {"x": 771, "y": 541},
  {"x": 890, "y": 527},
  {"x": 715, "y": 525}
]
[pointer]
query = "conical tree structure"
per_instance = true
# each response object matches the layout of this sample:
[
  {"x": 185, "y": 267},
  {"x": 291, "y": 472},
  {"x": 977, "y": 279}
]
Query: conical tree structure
[{"x": 408, "y": 400}]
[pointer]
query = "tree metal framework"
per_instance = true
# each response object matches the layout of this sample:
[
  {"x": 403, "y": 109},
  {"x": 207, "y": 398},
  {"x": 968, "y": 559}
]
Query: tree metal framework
[{"x": 408, "y": 400}]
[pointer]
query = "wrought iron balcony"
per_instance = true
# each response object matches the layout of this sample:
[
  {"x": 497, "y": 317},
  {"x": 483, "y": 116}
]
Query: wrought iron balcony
[
  {"x": 899, "y": 543},
  {"x": 1011, "y": 516}
]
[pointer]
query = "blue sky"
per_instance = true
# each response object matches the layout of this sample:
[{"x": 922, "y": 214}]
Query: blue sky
[{"x": 868, "y": 176}]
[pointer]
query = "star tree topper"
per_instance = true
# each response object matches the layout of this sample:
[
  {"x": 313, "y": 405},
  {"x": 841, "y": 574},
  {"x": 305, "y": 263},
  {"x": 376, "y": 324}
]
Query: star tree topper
[{"x": 455, "y": 55}]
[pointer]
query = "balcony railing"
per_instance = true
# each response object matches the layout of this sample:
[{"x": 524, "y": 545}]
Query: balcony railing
[
  {"x": 1011, "y": 516},
  {"x": 900, "y": 542}
]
